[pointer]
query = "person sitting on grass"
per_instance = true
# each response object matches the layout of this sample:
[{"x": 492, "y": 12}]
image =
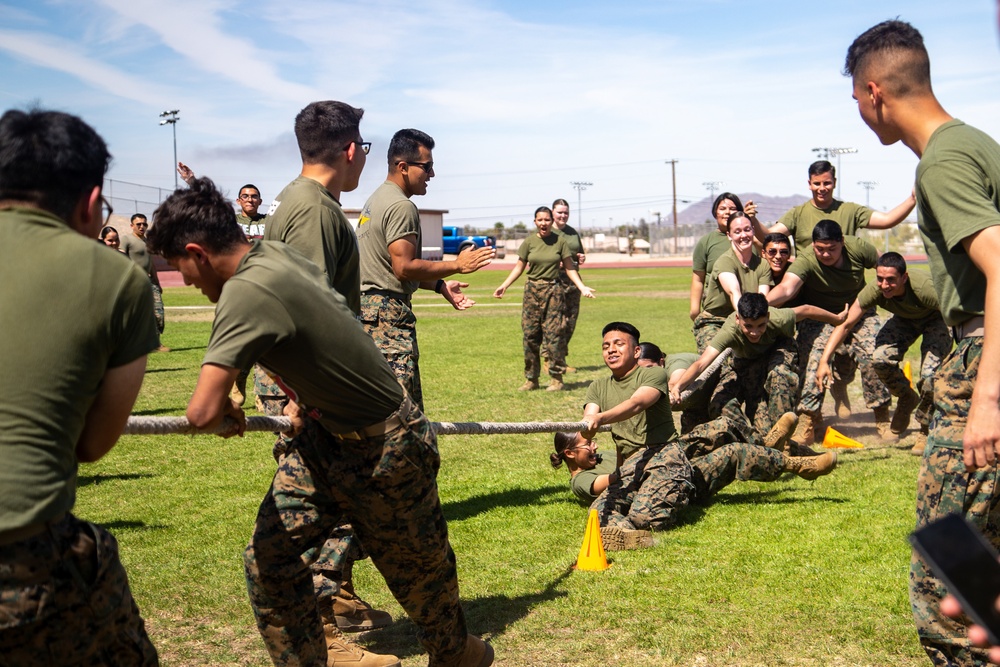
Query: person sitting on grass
[{"x": 654, "y": 485}]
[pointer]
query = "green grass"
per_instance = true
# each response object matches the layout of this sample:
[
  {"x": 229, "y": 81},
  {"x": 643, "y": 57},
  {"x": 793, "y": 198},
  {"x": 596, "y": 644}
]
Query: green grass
[{"x": 786, "y": 573}]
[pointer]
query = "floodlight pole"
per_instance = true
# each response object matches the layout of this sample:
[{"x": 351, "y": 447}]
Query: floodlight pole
[
  {"x": 827, "y": 152},
  {"x": 712, "y": 186},
  {"x": 673, "y": 179},
  {"x": 580, "y": 186},
  {"x": 170, "y": 118}
]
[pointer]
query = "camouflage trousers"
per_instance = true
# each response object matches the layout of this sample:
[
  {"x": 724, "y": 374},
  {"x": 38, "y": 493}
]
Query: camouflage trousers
[
  {"x": 161, "y": 319},
  {"x": 65, "y": 600},
  {"x": 891, "y": 344},
  {"x": 657, "y": 483},
  {"x": 390, "y": 321},
  {"x": 386, "y": 487},
  {"x": 860, "y": 344},
  {"x": 945, "y": 486},
  {"x": 704, "y": 328},
  {"x": 731, "y": 426},
  {"x": 767, "y": 386},
  {"x": 543, "y": 323},
  {"x": 571, "y": 312}
]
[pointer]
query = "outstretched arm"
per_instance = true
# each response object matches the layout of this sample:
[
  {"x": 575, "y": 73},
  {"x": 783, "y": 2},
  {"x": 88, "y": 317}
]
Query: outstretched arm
[
  {"x": 210, "y": 403},
  {"x": 888, "y": 219},
  {"x": 785, "y": 290},
  {"x": 574, "y": 277},
  {"x": 693, "y": 371},
  {"x": 406, "y": 265},
  {"x": 514, "y": 274},
  {"x": 840, "y": 333},
  {"x": 110, "y": 410},
  {"x": 643, "y": 398}
]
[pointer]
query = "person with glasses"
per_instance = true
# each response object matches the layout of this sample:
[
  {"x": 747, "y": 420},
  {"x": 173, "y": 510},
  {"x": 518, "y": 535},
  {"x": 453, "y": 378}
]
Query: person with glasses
[
  {"x": 252, "y": 222},
  {"x": 134, "y": 247},
  {"x": 392, "y": 268},
  {"x": 777, "y": 252},
  {"x": 64, "y": 594}
]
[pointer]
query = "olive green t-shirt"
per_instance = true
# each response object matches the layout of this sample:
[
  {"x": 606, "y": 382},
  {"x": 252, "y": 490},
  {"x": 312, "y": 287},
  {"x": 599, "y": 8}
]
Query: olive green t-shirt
[
  {"x": 582, "y": 483},
  {"x": 958, "y": 194},
  {"x": 544, "y": 256},
  {"x": 307, "y": 217},
  {"x": 917, "y": 302},
  {"x": 652, "y": 426},
  {"x": 802, "y": 219},
  {"x": 831, "y": 287},
  {"x": 387, "y": 217},
  {"x": 135, "y": 249},
  {"x": 253, "y": 227},
  {"x": 573, "y": 241},
  {"x": 74, "y": 309},
  {"x": 780, "y": 324},
  {"x": 679, "y": 361},
  {"x": 709, "y": 248},
  {"x": 278, "y": 310},
  {"x": 750, "y": 277}
]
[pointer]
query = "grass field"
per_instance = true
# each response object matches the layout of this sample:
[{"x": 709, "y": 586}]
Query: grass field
[{"x": 786, "y": 573}]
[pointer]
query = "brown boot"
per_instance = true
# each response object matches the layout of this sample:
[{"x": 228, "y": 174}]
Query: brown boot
[
  {"x": 477, "y": 654},
  {"x": 555, "y": 384},
  {"x": 342, "y": 652},
  {"x": 811, "y": 467},
  {"x": 841, "y": 401},
  {"x": 805, "y": 434},
  {"x": 883, "y": 424},
  {"x": 352, "y": 614},
  {"x": 529, "y": 385},
  {"x": 920, "y": 442},
  {"x": 795, "y": 449},
  {"x": 905, "y": 405},
  {"x": 779, "y": 434},
  {"x": 622, "y": 539}
]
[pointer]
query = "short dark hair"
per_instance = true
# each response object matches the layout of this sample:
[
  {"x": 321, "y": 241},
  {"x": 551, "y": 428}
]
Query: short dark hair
[
  {"x": 624, "y": 327},
  {"x": 542, "y": 209},
  {"x": 200, "y": 214},
  {"x": 822, "y": 167},
  {"x": 248, "y": 186},
  {"x": 892, "y": 260},
  {"x": 561, "y": 441},
  {"x": 560, "y": 202},
  {"x": 107, "y": 230},
  {"x": 136, "y": 216},
  {"x": 650, "y": 351},
  {"x": 907, "y": 67},
  {"x": 752, "y": 306},
  {"x": 405, "y": 146},
  {"x": 49, "y": 159},
  {"x": 724, "y": 196},
  {"x": 828, "y": 230},
  {"x": 777, "y": 237},
  {"x": 323, "y": 128}
]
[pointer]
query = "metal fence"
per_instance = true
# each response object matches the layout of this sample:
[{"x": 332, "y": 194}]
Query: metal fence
[{"x": 129, "y": 198}]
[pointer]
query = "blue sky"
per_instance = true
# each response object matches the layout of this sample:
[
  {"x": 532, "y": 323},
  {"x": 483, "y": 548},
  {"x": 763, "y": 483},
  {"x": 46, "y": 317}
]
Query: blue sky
[{"x": 521, "y": 97}]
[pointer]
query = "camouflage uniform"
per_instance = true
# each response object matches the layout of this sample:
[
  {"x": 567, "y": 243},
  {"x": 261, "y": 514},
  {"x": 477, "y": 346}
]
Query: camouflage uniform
[
  {"x": 66, "y": 601},
  {"x": 386, "y": 486},
  {"x": 892, "y": 342},
  {"x": 658, "y": 482},
  {"x": 860, "y": 344},
  {"x": 705, "y": 326},
  {"x": 945, "y": 486},
  {"x": 571, "y": 308},
  {"x": 388, "y": 318},
  {"x": 543, "y": 321},
  {"x": 731, "y": 426},
  {"x": 767, "y": 386},
  {"x": 161, "y": 320}
]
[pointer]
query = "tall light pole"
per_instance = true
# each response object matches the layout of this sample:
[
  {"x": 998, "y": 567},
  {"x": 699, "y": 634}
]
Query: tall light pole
[
  {"x": 170, "y": 118},
  {"x": 673, "y": 180},
  {"x": 869, "y": 186},
  {"x": 827, "y": 153},
  {"x": 580, "y": 187},
  {"x": 712, "y": 186}
]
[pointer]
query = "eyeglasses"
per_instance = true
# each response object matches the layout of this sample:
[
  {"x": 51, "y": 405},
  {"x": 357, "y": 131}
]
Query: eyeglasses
[
  {"x": 589, "y": 444},
  {"x": 364, "y": 145},
  {"x": 249, "y": 197},
  {"x": 426, "y": 166},
  {"x": 784, "y": 252},
  {"x": 107, "y": 209}
]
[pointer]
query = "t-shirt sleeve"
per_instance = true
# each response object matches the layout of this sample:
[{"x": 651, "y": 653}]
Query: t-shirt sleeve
[
  {"x": 956, "y": 190},
  {"x": 582, "y": 484},
  {"x": 801, "y": 267},
  {"x": 249, "y": 321},
  {"x": 654, "y": 377},
  {"x": 699, "y": 259},
  {"x": 723, "y": 340},
  {"x": 133, "y": 332},
  {"x": 304, "y": 231},
  {"x": 522, "y": 250},
  {"x": 402, "y": 220},
  {"x": 862, "y": 217},
  {"x": 565, "y": 252},
  {"x": 593, "y": 395},
  {"x": 783, "y": 320},
  {"x": 868, "y": 296}
]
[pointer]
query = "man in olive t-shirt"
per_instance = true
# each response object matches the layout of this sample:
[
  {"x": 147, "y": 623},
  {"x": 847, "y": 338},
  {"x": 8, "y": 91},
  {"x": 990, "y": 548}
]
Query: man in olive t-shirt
[
  {"x": 353, "y": 424},
  {"x": 389, "y": 243},
  {"x": 134, "y": 247},
  {"x": 64, "y": 595}
]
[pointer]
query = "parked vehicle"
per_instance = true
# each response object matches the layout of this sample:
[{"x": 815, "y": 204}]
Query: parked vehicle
[{"x": 454, "y": 242}]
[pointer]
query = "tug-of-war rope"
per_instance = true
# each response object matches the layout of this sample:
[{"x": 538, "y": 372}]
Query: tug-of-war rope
[{"x": 180, "y": 425}]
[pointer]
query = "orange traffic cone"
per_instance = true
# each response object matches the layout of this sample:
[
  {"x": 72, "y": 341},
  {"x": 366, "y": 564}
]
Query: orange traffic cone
[
  {"x": 834, "y": 439},
  {"x": 908, "y": 374},
  {"x": 592, "y": 556}
]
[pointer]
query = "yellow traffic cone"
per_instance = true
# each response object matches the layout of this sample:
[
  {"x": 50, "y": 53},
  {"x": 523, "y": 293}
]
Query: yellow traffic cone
[
  {"x": 592, "y": 556},
  {"x": 834, "y": 439},
  {"x": 908, "y": 374}
]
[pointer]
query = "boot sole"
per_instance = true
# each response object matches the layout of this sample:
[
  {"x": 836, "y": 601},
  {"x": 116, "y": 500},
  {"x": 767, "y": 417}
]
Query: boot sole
[
  {"x": 620, "y": 539},
  {"x": 354, "y": 624}
]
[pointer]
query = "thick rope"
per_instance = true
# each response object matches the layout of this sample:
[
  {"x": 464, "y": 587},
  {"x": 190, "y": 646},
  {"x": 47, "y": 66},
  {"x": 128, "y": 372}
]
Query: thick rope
[
  {"x": 706, "y": 374},
  {"x": 180, "y": 425}
]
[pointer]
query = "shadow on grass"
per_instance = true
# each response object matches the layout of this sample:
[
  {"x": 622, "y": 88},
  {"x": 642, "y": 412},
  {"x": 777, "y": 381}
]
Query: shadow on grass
[
  {"x": 87, "y": 480},
  {"x": 175, "y": 411},
  {"x": 163, "y": 370},
  {"x": 470, "y": 507},
  {"x": 488, "y": 617},
  {"x": 694, "y": 512},
  {"x": 131, "y": 525}
]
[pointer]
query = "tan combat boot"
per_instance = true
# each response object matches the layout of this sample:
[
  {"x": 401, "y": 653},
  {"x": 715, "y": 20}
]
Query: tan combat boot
[
  {"x": 905, "y": 405},
  {"x": 920, "y": 442},
  {"x": 555, "y": 384},
  {"x": 342, "y": 652},
  {"x": 841, "y": 401},
  {"x": 529, "y": 385},
  {"x": 811, "y": 467},
  {"x": 779, "y": 434},
  {"x": 805, "y": 434},
  {"x": 623, "y": 539},
  {"x": 884, "y": 425},
  {"x": 352, "y": 614},
  {"x": 477, "y": 654}
]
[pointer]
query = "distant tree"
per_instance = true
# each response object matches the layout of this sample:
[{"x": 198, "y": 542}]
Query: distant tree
[
  {"x": 643, "y": 231},
  {"x": 520, "y": 227},
  {"x": 469, "y": 230}
]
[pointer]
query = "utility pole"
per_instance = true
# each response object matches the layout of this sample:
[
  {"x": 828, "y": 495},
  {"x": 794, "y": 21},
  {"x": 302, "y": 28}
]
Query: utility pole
[
  {"x": 580, "y": 186},
  {"x": 170, "y": 118},
  {"x": 673, "y": 180},
  {"x": 712, "y": 186},
  {"x": 827, "y": 153}
]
